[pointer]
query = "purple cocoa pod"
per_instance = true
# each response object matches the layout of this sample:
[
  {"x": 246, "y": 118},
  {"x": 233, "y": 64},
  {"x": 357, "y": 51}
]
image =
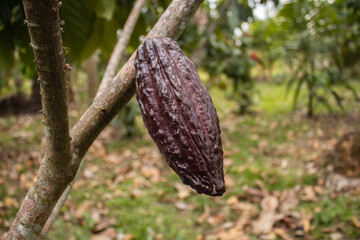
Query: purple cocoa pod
[{"x": 179, "y": 114}]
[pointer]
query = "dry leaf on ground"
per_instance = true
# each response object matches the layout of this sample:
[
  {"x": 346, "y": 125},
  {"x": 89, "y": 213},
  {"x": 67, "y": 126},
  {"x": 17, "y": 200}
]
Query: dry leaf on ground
[
  {"x": 184, "y": 191},
  {"x": 268, "y": 215},
  {"x": 204, "y": 216},
  {"x": 288, "y": 200},
  {"x": 108, "y": 234},
  {"x": 232, "y": 234}
]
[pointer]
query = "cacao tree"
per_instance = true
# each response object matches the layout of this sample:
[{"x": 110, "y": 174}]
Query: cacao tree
[
  {"x": 313, "y": 39},
  {"x": 65, "y": 150},
  {"x": 220, "y": 49}
]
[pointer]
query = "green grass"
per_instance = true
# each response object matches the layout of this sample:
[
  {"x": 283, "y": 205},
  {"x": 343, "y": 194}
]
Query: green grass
[
  {"x": 256, "y": 144},
  {"x": 334, "y": 212}
]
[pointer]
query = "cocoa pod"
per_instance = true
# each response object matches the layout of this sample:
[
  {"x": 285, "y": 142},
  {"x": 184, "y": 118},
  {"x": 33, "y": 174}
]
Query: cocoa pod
[{"x": 179, "y": 114}]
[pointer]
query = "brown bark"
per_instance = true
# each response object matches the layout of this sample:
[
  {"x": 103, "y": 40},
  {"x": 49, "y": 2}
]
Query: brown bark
[
  {"x": 57, "y": 209},
  {"x": 120, "y": 46},
  {"x": 53, "y": 175},
  {"x": 119, "y": 91}
]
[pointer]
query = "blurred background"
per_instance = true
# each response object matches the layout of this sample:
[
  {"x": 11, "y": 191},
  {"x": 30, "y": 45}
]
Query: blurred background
[{"x": 284, "y": 78}]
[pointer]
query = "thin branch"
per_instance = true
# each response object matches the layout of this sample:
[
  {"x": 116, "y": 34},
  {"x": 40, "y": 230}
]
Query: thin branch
[
  {"x": 53, "y": 175},
  {"x": 119, "y": 91},
  {"x": 90, "y": 66},
  {"x": 120, "y": 47}
]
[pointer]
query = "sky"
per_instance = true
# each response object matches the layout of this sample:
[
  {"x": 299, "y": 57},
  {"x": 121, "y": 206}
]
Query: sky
[{"x": 263, "y": 11}]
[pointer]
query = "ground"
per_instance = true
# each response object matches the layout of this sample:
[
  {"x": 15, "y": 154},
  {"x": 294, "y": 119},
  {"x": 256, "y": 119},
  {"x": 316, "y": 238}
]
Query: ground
[{"x": 275, "y": 176}]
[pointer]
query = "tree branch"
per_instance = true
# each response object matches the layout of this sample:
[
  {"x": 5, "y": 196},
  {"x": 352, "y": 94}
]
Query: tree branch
[
  {"x": 199, "y": 53},
  {"x": 120, "y": 47},
  {"x": 53, "y": 175},
  {"x": 119, "y": 91},
  {"x": 57, "y": 209}
]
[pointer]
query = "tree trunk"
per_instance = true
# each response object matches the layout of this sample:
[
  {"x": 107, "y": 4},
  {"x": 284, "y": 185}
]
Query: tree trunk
[
  {"x": 120, "y": 46},
  {"x": 56, "y": 171},
  {"x": 119, "y": 91},
  {"x": 310, "y": 112},
  {"x": 91, "y": 70},
  {"x": 311, "y": 82}
]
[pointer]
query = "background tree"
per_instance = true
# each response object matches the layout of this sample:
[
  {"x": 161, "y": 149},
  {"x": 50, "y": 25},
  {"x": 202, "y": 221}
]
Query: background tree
[{"x": 312, "y": 35}]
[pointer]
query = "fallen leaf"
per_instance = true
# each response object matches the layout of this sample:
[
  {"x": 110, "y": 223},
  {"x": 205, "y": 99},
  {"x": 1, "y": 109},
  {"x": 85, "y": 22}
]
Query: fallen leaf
[
  {"x": 319, "y": 189},
  {"x": 232, "y": 200},
  {"x": 205, "y": 215},
  {"x": 98, "y": 149},
  {"x": 306, "y": 221},
  {"x": 88, "y": 174},
  {"x": 355, "y": 221},
  {"x": 136, "y": 193},
  {"x": 82, "y": 208},
  {"x": 288, "y": 200},
  {"x": 263, "y": 147},
  {"x": 228, "y": 162},
  {"x": 227, "y": 225},
  {"x": 309, "y": 194},
  {"x": 282, "y": 233},
  {"x": 262, "y": 187},
  {"x": 253, "y": 191},
  {"x": 268, "y": 215},
  {"x": 336, "y": 236},
  {"x": 329, "y": 229},
  {"x": 151, "y": 172},
  {"x": 232, "y": 234},
  {"x": 95, "y": 215},
  {"x": 10, "y": 202},
  {"x": 3, "y": 236},
  {"x": 229, "y": 182},
  {"x": 129, "y": 236},
  {"x": 108, "y": 234},
  {"x": 268, "y": 236},
  {"x": 183, "y": 190},
  {"x": 339, "y": 182},
  {"x": 113, "y": 158},
  {"x": 248, "y": 212},
  {"x": 181, "y": 205},
  {"x": 103, "y": 224},
  {"x": 215, "y": 220}
]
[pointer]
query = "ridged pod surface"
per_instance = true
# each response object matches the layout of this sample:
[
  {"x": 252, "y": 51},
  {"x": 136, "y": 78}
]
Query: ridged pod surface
[{"x": 179, "y": 115}]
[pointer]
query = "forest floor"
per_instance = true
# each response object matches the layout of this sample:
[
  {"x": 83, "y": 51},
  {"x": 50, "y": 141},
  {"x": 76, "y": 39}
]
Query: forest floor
[{"x": 278, "y": 179}]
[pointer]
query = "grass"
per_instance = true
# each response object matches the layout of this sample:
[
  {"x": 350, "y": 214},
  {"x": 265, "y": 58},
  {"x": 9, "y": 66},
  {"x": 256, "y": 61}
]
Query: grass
[{"x": 271, "y": 145}]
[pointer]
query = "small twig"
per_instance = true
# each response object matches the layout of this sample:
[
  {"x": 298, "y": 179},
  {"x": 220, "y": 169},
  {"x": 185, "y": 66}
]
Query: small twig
[{"x": 120, "y": 47}]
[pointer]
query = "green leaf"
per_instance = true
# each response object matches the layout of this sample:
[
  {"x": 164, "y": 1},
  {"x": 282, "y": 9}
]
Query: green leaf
[
  {"x": 77, "y": 28},
  {"x": 297, "y": 91},
  {"x": 94, "y": 40},
  {"x": 322, "y": 100},
  {"x": 6, "y": 50},
  {"x": 103, "y": 8},
  {"x": 351, "y": 88},
  {"x": 109, "y": 37},
  {"x": 5, "y": 12},
  {"x": 337, "y": 98},
  {"x": 22, "y": 40}
]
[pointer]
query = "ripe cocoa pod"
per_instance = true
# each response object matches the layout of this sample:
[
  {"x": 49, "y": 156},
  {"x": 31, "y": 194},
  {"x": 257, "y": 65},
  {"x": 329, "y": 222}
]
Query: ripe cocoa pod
[{"x": 179, "y": 115}]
